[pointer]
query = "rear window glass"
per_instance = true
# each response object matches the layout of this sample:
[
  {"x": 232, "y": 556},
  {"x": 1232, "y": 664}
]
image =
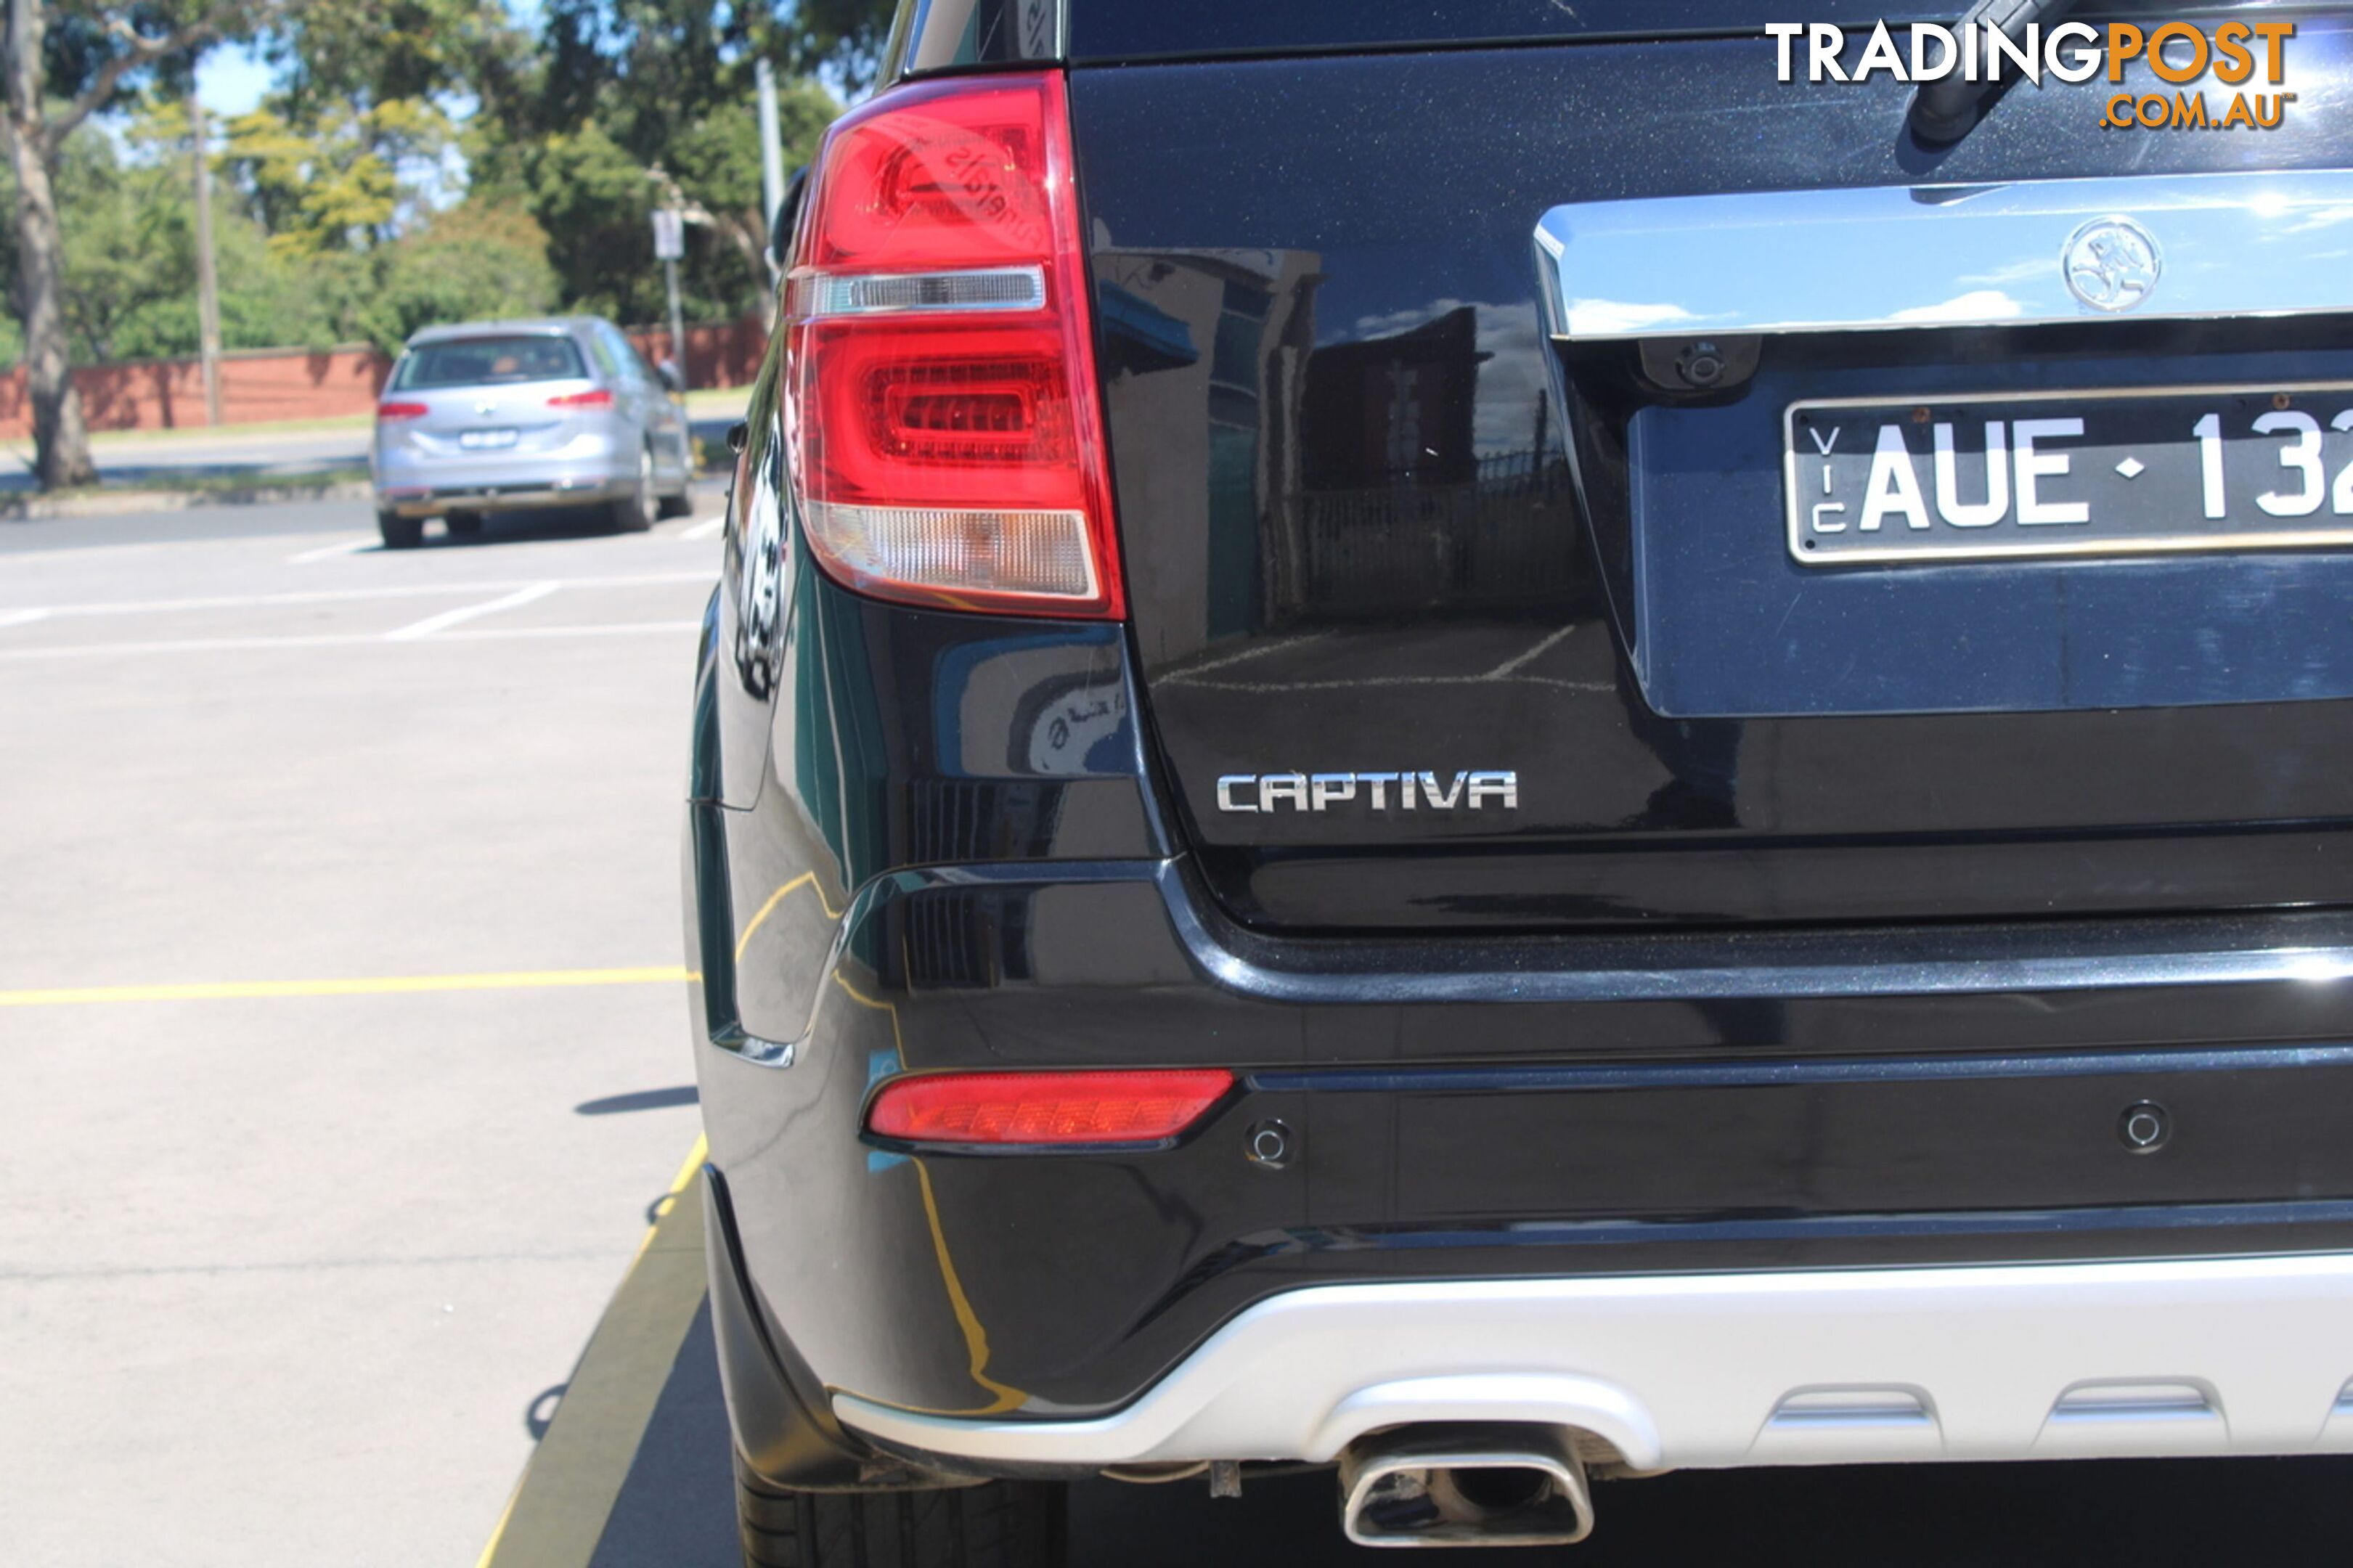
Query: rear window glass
[
  {"x": 1118, "y": 29},
  {"x": 487, "y": 362},
  {"x": 1128, "y": 31}
]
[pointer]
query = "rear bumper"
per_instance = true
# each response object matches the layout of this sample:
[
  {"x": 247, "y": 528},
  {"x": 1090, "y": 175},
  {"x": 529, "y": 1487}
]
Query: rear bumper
[
  {"x": 949, "y": 857},
  {"x": 412, "y": 486},
  {"x": 2203, "y": 1356},
  {"x": 522, "y": 495},
  {"x": 1737, "y": 1171}
]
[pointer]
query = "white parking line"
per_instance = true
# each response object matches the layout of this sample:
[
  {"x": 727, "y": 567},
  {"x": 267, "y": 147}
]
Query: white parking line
[
  {"x": 340, "y": 547},
  {"x": 22, "y": 617},
  {"x": 1514, "y": 665},
  {"x": 704, "y": 529},
  {"x": 348, "y": 640},
  {"x": 353, "y": 595},
  {"x": 447, "y": 618}
]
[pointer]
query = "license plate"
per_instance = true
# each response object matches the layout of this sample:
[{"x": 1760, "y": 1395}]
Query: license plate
[
  {"x": 477, "y": 440},
  {"x": 2100, "y": 473}
]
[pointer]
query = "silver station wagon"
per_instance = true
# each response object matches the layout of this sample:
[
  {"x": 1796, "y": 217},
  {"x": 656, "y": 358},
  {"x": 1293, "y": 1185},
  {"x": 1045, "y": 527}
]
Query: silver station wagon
[{"x": 505, "y": 416}]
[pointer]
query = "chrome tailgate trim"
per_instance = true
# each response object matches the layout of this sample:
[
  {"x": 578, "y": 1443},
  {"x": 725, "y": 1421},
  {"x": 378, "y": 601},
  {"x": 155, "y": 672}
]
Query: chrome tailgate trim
[{"x": 2167, "y": 247}]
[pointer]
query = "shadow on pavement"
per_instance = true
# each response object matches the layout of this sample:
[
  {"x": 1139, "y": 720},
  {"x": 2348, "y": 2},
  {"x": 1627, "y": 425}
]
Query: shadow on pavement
[{"x": 677, "y": 1510}]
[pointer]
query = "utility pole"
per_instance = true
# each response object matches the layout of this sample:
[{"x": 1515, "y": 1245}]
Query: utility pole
[
  {"x": 208, "y": 334},
  {"x": 677, "y": 327},
  {"x": 772, "y": 160},
  {"x": 669, "y": 244}
]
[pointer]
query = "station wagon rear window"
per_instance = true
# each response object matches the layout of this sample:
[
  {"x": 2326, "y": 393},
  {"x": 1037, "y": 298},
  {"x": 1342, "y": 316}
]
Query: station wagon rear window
[{"x": 488, "y": 362}]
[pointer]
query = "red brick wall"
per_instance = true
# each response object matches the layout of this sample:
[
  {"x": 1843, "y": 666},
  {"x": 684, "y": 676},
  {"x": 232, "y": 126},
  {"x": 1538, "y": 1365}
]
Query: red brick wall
[
  {"x": 720, "y": 353},
  {"x": 165, "y": 394},
  {"x": 263, "y": 385}
]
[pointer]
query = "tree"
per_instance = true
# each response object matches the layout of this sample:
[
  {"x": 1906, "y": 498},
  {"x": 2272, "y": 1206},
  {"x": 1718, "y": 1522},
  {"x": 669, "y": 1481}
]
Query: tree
[
  {"x": 128, "y": 251},
  {"x": 332, "y": 179},
  {"x": 130, "y": 254},
  {"x": 650, "y": 103},
  {"x": 87, "y": 55},
  {"x": 477, "y": 259},
  {"x": 839, "y": 38},
  {"x": 715, "y": 163}
]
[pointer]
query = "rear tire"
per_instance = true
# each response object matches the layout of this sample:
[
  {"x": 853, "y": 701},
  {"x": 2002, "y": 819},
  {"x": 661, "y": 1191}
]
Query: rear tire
[
  {"x": 1000, "y": 1524},
  {"x": 679, "y": 505},
  {"x": 400, "y": 532},
  {"x": 633, "y": 513}
]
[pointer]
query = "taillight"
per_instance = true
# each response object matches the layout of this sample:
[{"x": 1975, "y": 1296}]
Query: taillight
[
  {"x": 1118, "y": 1106},
  {"x": 402, "y": 410},
  {"x": 939, "y": 393},
  {"x": 600, "y": 398}
]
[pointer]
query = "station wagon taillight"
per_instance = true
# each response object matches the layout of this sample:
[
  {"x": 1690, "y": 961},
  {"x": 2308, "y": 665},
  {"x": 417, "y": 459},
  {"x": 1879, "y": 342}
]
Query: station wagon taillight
[
  {"x": 940, "y": 401},
  {"x": 395, "y": 411},
  {"x": 599, "y": 398}
]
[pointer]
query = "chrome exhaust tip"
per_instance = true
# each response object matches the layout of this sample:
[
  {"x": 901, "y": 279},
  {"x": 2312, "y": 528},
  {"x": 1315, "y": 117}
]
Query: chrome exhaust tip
[{"x": 1490, "y": 1484}]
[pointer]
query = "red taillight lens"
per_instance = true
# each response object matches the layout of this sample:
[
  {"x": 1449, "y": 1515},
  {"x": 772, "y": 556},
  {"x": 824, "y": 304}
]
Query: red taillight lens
[
  {"x": 1114, "y": 1106},
  {"x": 600, "y": 398},
  {"x": 401, "y": 410},
  {"x": 940, "y": 395}
]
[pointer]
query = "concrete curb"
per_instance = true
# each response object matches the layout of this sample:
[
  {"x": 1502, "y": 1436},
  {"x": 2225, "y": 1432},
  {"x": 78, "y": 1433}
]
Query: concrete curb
[
  {"x": 568, "y": 1489},
  {"x": 119, "y": 503}
]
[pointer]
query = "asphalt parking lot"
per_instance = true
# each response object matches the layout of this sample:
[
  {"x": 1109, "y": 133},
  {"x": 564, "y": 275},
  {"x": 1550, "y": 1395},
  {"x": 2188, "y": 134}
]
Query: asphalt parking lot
[{"x": 343, "y": 1061}]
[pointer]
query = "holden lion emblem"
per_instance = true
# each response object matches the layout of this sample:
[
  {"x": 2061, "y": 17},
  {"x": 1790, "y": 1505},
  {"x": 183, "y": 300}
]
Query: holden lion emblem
[{"x": 2112, "y": 264}]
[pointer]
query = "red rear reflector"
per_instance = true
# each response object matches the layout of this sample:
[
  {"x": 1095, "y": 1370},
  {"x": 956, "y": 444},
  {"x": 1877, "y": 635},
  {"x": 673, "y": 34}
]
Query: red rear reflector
[
  {"x": 401, "y": 411},
  {"x": 600, "y": 398},
  {"x": 939, "y": 393},
  {"x": 1112, "y": 1107}
]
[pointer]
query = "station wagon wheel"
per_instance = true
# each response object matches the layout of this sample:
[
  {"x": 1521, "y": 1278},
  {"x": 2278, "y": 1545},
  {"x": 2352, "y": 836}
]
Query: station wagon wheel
[
  {"x": 400, "y": 532},
  {"x": 634, "y": 513},
  {"x": 682, "y": 503}
]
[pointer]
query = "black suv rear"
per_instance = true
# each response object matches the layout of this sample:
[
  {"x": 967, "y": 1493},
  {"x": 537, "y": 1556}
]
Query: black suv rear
[{"x": 1467, "y": 742}]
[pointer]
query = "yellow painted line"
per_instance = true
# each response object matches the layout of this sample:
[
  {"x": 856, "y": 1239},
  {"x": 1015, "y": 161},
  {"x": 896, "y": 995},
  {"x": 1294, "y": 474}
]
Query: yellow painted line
[
  {"x": 374, "y": 986},
  {"x": 975, "y": 1337},
  {"x": 678, "y": 1183},
  {"x": 975, "y": 1334},
  {"x": 898, "y": 1040},
  {"x": 565, "y": 1497},
  {"x": 498, "y": 1530},
  {"x": 806, "y": 879}
]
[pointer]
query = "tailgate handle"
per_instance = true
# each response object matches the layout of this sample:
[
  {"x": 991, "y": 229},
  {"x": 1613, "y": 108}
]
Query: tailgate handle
[{"x": 2168, "y": 247}]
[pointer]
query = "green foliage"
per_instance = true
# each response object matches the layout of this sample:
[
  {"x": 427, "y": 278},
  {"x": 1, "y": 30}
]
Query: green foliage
[
  {"x": 839, "y": 38},
  {"x": 332, "y": 180},
  {"x": 664, "y": 87},
  {"x": 380, "y": 50},
  {"x": 85, "y": 38},
  {"x": 475, "y": 260},
  {"x": 334, "y": 215},
  {"x": 594, "y": 197},
  {"x": 130, "y": 263},
  {"x": 130, "y": 256}
]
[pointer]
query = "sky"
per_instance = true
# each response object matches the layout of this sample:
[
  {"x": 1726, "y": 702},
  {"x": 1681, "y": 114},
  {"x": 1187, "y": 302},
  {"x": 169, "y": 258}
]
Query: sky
[
  {"x": 233, "y": 77},
  {"x": 232, "y": 80}
]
